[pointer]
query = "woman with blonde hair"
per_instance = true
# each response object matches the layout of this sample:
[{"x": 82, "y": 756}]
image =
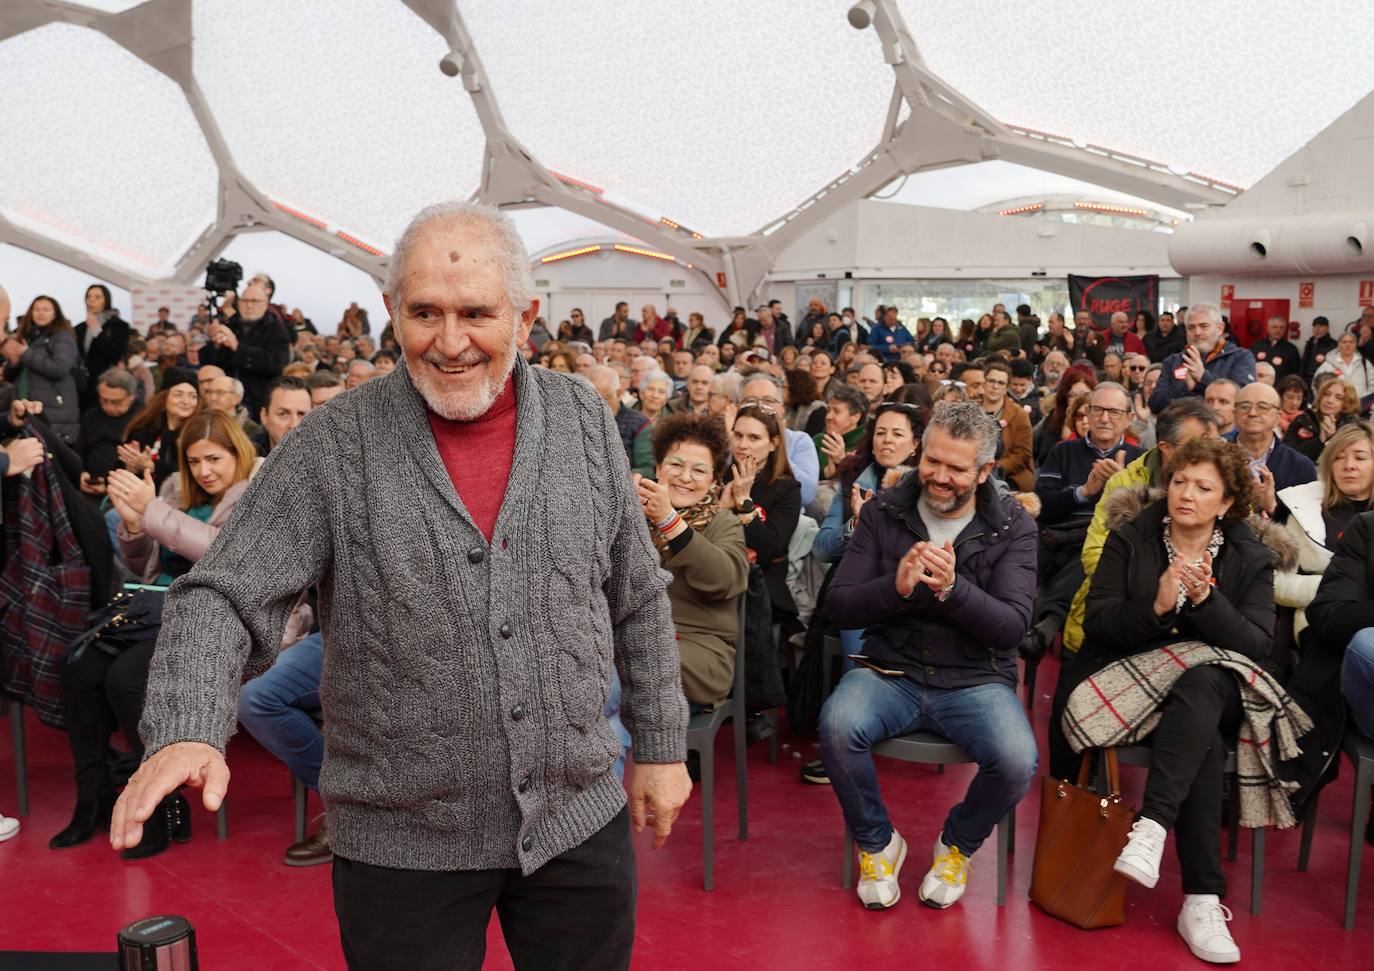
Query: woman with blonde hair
[
  {"x": 1320, "y": 511},
  {"x": 1334, "y": 404},
  {"x": 160, "y": 537}
]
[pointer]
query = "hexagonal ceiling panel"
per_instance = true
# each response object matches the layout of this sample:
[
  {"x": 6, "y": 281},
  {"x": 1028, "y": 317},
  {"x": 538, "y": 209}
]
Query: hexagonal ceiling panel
[
  {"x": 719, "y": 114},
  {"x": 339, "y": 109},
  {"x": 101, "y": 150}
]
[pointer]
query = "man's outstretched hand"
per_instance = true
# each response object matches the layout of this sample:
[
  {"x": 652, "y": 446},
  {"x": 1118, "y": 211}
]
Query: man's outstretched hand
[
  {"x": 179, "y": 764},
  {"x": 657, "y": 793}
]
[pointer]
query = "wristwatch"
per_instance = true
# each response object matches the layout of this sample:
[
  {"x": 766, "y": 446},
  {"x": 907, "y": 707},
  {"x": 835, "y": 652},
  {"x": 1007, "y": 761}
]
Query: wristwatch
[
  {"x": 745, "y": 507},
  {"x": 943, "y": 594}
]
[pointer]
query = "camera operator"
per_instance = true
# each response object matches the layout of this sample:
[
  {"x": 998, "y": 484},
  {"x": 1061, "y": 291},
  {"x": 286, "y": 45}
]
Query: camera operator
[{"x": 253, "y": 346}]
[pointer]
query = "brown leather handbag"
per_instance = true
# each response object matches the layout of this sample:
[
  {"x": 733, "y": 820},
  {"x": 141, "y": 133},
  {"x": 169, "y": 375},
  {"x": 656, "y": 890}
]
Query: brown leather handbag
[{"x": 1080, "y": 836}]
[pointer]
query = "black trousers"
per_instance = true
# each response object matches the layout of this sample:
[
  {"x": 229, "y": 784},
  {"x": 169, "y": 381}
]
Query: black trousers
[
  {"x": 1183, "y": 791},
  {"x": 576, "y": 911},
  {"x": 100, "y": 694}
]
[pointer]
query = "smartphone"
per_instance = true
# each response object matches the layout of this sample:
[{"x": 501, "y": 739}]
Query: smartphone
[{"x": 885, "y": 672}]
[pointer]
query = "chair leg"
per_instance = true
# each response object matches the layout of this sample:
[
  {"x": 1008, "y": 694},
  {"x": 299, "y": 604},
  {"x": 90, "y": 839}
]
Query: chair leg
[
  {"x": 1257, "y": 869},
  {"x": 773, "y": 739},
  {"x": 1360, "y": 812},
  {"x": 742, "y": 778},
  {"x": 708, "y": 812},
  {"x": 21, "y": 758},
  {"x": 1233, "y": 820},
  {"x": 848, "y": 858},
  {"x": 1011, "y": 832},
  {"x": 1032, "y": 667},
  {"x": 302, "y": 795},
  {"x": 1004, "y": 829},
  {"x": 1309, "y": 825},
  {"x": 222, "y": 819}
]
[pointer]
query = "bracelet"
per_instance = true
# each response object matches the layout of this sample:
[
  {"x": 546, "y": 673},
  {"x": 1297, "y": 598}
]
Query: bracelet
[
  {"x": 666, "y": 521},
  {"x": 670, "y": 525}
]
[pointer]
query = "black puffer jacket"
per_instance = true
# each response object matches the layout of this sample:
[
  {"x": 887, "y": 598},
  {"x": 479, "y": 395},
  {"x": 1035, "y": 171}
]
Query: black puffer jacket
[{"x": 970, "y": 639}]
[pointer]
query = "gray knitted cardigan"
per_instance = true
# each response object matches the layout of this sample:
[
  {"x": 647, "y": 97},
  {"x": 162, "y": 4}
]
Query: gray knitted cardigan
[{"x": 463, "y": 681}]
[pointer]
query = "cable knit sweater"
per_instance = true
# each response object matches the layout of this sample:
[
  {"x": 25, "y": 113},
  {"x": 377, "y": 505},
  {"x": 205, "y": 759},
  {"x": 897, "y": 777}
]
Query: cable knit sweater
[{"x": 464, "y": 681}]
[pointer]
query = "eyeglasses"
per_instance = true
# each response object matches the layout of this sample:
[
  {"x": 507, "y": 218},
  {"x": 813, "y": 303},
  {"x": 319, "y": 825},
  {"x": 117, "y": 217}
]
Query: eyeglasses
[
  {"x": 761, "y": 408},
  {"x": 1137, "y": 367},
  {"x": 699, "y": 473},
  {"x": 752, "y": 400},
  {"x": 1098, "y": 411},
  {"x": 950, "y": 383},
  {"x": 1263, "y": 407}
]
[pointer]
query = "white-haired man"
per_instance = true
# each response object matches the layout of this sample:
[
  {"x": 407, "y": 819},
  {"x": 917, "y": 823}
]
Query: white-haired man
[
  {"x": 482, "y": 559},
  {"x": 1207, "y": 357}
]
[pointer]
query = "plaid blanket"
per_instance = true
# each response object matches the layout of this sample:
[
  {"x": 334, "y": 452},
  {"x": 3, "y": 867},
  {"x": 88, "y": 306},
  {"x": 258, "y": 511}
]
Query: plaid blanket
[{"x": 1120, "y": 705}]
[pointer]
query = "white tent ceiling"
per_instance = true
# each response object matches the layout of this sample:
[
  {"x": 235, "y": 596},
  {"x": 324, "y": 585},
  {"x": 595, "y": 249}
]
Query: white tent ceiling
[{"x": 718, "y": 115}]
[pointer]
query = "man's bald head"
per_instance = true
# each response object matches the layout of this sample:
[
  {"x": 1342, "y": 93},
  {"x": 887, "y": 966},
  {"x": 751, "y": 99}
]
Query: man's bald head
[{"x": 607, "y": 384}]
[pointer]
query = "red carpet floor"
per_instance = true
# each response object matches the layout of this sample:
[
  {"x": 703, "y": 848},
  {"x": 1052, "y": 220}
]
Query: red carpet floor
[{"x": 777, "y": 904}]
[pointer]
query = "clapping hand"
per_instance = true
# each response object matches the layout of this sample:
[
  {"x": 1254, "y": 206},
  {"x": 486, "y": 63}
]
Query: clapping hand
[
  {"x": 833, "y": 447},
  {"x": 1268, "y": 498},
  {"x": 653, "y": 499},
  {"x": 1166, "y": 597},
  {"x": 857, "y": 498},
  {"x": 1192, "y": 360},
  {"x": 926, "y": 563},
  {"x": 130, "y": 495},
  {"x": 135, "y": 458},
  {"x": 1197, "y": 579},
  {"x": 742, "y": 484}
]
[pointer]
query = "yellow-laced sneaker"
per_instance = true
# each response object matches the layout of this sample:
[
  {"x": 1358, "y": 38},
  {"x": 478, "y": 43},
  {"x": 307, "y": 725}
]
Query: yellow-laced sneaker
[
  {"x": 877, "y": 887},
  {"x": 948, "y": 877}
]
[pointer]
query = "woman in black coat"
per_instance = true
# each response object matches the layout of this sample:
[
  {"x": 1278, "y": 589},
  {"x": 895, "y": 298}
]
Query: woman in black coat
[
  {"x": 1187, "y": 568},
  {"x": 764, "y": 495},
  {"x": 1337, "y": 404}
]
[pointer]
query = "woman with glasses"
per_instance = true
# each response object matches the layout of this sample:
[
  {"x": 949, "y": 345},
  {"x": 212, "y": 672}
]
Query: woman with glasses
[
  {"x": 151, "y": 439},
  {"x": 701, "y": 543},
  {"x": 1337, "y": 404},
  {"x": 761, "y": 491},
  {"x": 39, "y": 358}
]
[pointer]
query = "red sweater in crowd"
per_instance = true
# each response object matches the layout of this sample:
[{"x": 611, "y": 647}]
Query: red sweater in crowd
[{"x": 477, "y": 455}]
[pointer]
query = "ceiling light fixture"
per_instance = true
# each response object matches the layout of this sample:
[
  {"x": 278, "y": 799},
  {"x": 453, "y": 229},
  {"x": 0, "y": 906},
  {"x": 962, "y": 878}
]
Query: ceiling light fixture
[{"x": 568, "y": 254}]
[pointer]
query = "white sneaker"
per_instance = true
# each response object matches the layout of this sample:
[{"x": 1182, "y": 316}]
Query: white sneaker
[
  {"x": 878, "y": 872},
  {"x": 947, "y": 878},
  {"x": 8, "y": 827},
  {"x": 1202, "y": 925},
  {"x": 1140, "y": 857}
]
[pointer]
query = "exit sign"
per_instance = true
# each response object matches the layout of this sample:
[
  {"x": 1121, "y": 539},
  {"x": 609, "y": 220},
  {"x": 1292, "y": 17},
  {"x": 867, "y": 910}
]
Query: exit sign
[{"x": 677, "y": 284}]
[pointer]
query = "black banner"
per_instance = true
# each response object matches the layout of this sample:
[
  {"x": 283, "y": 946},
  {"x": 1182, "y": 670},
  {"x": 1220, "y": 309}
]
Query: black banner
[{"x": 1103, "y": 296}]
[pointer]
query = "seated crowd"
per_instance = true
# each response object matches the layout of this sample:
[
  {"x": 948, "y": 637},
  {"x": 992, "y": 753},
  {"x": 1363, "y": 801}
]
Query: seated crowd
[{"x": 945, "y": 500}]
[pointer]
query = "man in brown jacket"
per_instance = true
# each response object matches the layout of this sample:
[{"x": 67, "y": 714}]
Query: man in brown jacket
[{"x": 1015, "y": 464}]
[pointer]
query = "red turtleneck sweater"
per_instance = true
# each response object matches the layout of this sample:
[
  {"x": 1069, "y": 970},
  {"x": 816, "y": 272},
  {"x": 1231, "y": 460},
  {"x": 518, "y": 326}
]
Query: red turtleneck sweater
[{"x": 477, "y": 455}]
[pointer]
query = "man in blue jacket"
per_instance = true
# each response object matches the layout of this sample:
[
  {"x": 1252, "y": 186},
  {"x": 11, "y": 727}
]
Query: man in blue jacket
[
  {"x": 888, "y": 335},
  {"x": 941, "y": 569},
  {"x": 1206, "y": 358}
]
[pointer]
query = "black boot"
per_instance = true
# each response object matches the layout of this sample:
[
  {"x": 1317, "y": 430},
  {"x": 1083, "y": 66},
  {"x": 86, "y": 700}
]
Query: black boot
[
  {"x": 156, "y": 833},
  {"x": 89, "y": 816}
]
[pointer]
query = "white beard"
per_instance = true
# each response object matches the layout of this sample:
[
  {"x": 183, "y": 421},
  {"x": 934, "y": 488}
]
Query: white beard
[{"x": 462, "y": 405}]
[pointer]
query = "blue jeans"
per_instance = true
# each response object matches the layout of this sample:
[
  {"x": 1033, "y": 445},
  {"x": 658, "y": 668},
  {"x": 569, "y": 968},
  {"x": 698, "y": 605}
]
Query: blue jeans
[
  {"x": 274, "y": 705},
  {"x": 1357, "y": 680},
  {"x": 613, "y": 713},
  {"x": 986, "y": 721}
]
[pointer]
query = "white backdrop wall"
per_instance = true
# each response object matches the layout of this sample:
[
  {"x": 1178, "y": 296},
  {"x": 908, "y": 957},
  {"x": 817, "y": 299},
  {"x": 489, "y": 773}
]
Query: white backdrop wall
[
  {"x": 596, "y": 282},
  {"x": 1335, "y": 297}
]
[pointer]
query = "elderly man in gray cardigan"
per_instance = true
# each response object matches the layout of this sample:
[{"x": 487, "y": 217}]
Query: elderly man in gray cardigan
[{"x": 481, "y": 560}]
